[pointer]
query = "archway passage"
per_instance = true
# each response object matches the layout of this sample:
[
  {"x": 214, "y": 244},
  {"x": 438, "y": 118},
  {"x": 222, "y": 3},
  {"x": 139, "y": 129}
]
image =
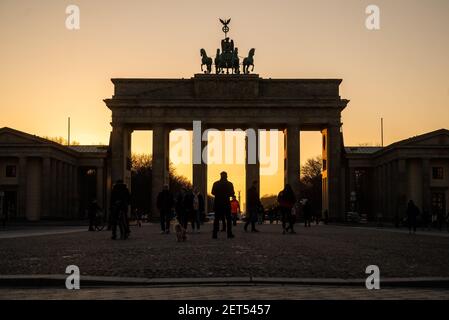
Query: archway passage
[{"x": 230, "y": 101}]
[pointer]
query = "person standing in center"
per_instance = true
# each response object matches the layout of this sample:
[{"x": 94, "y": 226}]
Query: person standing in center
[{"x": 223, "y": 190}]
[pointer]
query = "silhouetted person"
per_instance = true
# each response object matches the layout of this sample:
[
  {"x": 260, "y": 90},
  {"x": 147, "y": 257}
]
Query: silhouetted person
[
  {"x": 198, "y": 208},
  {"x": 412, "y": 213},
  {"x": 286, "y": 200},
  {"x": 189, "y": 210},
  {"x": 235, "y": 210},
  {"x": 92, "y": 211},
  {"x": 138, "y": 217},
  {"x": 252, "y": 207},
  {"x": 307, "y": 211},
  {"x": 164, "y": 204},
  {"x": 120, "y": 199},
  {"x": 223, "y": 190}
]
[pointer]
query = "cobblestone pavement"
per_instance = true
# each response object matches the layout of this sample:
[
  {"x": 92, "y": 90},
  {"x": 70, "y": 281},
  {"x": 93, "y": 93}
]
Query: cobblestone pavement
[
  {"x": 22, "y": 232},
  {"x": 317, "y": 252},
  {"x": 228, "y": 293}
]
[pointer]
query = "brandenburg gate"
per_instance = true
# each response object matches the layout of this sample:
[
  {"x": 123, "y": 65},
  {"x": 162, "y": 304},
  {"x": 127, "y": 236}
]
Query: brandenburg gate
[{"x": 229, "y": 101}]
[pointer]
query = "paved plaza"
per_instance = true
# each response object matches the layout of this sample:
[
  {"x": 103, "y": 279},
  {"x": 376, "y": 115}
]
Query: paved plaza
[
  {"x": 228, "y": 293},
  {"x": 318, "y": 252}
]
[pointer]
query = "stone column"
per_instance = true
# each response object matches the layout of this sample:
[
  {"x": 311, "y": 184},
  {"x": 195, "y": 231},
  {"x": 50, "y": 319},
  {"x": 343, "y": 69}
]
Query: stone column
[
  {"x": 128, "y": 162},
  {"x": 199, "y": 165},
  {"x": 332, "y": 174},
  {"x": 383, "y": 191},
  {"x": 388, "y": 190},
  {"x": 53, "y": 189},
  {"x": 75, "y": 193},
  {"x": 292, "y": 157},
  {"x": 22, "y": 190},
  {"x": 351, "y": 187},
  {"x": 65, "y": 190},
  {"x": 59, "y": 191},
  {"x": 160, "y": 164},
  {"x": 72, "y": 192},
  {"x": 402, "y": 187},
  {"x": 121, "y": 154},
  {"x": 34, "y": 189},
  {"x": 100, "y": 187},
  {"x": 426, "y": 195},
  {"x": 69, "y": 190},
  {"x": 252, "y": 163},
  {"x": 117, "y": 153},
  {"x": 46, "y": 187}
]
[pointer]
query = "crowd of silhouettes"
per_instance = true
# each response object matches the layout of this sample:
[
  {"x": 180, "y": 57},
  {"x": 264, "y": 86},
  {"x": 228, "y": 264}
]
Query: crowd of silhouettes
[{"x": 188, "y": 207}]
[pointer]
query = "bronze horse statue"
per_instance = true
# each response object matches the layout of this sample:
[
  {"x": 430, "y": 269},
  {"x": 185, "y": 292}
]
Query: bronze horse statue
[
  {"x": 249, "y": 61},
  {"x": 205, "y": 60}
]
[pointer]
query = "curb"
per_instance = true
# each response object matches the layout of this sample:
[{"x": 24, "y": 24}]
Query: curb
[{"x": 55, "y": 281}]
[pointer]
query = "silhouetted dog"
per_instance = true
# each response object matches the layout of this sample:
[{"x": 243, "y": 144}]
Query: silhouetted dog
[{"x": 180, "y": 233}]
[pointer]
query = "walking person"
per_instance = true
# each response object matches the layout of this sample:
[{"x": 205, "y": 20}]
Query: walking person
[
  {"x": 235, "y": 210},
  {"x": 92, "y": 212},
  {"x": 120, "y": 200},
  {"x": 198, "y": 208},
  {"x": 286, "y": 200},
  {"x": 252, "y": 207},
  {"x": 307, "y": 211},
  {"x": 164, "y": 204},
  {"x": 223, "y": 190},
  {"x": 412, "y": 213},
  {"x": 138, "y": 217}
]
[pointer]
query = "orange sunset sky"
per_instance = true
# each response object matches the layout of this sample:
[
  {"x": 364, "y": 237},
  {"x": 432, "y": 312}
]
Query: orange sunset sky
[{"x": 400, "y": 72}]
